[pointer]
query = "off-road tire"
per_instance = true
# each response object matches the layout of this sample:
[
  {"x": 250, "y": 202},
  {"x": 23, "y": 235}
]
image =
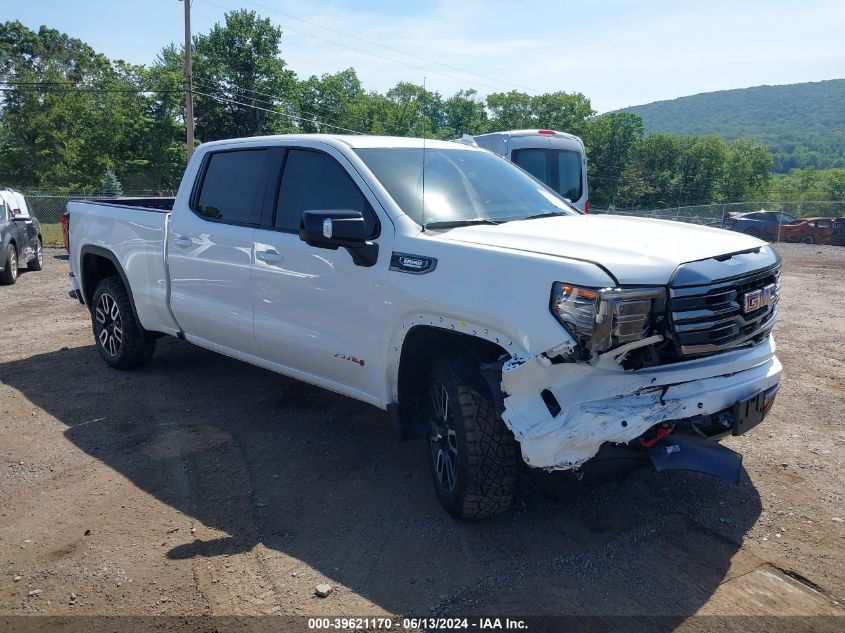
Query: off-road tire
[
  {"x": 37, "y": 262},
  {"x": 487, "y": 453},
  {"x": 10, "y": 269},
  {"x": 136, "y": 344}
]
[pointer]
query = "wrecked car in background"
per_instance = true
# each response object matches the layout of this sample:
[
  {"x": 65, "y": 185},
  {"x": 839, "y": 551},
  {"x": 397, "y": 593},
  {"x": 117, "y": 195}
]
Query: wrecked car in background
[
  {"x": 762, "y": 224},
  {"x": 808, "y": 230},
  {"x": 445, "y": 285}
]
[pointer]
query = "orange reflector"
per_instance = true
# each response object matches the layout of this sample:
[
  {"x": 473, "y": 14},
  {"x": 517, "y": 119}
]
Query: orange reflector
[{"x": 578, "y": 292}]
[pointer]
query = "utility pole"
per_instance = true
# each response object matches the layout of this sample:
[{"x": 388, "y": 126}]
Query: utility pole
[{"x": 189, "y": 82}]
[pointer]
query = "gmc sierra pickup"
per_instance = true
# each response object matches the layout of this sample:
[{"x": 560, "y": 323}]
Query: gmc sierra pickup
[{"x": 444, "y": 284}]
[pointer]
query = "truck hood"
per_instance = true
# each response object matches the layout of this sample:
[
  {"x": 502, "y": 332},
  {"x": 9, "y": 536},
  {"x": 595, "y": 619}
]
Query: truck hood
[{"x": 639, "y": 251}]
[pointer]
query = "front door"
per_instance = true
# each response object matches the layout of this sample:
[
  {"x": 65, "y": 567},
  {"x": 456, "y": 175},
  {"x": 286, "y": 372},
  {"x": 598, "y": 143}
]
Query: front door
[
  {"x": 316, "y": 311},
  {"x": 210, "y": 249}
]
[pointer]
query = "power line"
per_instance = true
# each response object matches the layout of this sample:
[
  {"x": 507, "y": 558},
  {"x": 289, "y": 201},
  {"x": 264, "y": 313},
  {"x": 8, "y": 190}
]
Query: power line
[
  {"x": 316, "y": 116},
  {"x": 389, "y": 48},
  {"x": 284, "y": 114},
  {"x": 95, "y": 90},
  {"x": 366, "y": 52},
  {"x": 271, "y": 99}
]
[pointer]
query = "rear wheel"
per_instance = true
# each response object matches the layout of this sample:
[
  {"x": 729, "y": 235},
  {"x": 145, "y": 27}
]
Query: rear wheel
[
  {"x": 37, "y": 262},
  {"x": 808, "y": 239},
  {"x": 120, "y": 339},
  {"x": 10, "y": 271},
  {"x": 472, "y": 454}
]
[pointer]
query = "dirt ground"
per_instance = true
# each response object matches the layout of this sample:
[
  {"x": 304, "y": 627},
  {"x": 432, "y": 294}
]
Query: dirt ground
[{"x": 203, "y": 486}]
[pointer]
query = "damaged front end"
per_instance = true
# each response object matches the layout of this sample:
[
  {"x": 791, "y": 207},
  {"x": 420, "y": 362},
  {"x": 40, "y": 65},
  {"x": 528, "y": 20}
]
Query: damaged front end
[{"x": 652, "y": 367}]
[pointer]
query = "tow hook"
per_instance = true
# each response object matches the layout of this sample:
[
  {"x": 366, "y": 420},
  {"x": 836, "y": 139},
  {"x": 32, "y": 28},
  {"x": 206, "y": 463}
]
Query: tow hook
[{"x": 662, "y": 432}]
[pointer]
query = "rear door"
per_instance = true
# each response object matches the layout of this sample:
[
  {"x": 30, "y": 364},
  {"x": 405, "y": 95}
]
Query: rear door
[
  {"x": 210, "y": 252},
  {"x": 560, "y": 168},
  {"x": 317, "y": 312}
]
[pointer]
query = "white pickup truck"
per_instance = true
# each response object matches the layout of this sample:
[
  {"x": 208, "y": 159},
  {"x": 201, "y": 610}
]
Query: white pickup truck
[{"x": 447, "y": 286}]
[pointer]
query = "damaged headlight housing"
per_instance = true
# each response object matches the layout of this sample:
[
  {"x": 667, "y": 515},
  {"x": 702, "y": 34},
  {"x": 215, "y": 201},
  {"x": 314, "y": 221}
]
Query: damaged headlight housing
[{"x": 600, "y": 319}]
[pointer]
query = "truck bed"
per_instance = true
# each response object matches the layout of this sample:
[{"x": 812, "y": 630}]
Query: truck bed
[
  {"x": 134, "y": 232},
  {"x": 158, "y": 203}
]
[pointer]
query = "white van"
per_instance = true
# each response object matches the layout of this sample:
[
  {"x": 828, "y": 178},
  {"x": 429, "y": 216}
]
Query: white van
[{"x": 556, "y": 158}]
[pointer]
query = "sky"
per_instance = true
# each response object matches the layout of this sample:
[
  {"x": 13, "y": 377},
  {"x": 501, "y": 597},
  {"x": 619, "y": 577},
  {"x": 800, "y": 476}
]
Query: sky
[{"x": 616, "y": 53}]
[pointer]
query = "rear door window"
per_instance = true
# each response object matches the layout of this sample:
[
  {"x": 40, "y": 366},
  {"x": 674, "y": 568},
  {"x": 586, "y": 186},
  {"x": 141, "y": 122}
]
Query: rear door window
[
  {"x": 233, "y": 185},
  {"x": 534, "y": 161},
  {"x": 314, "y": 181},
  {"x": 569, "y": 183},
  {"x": 559, "y": 169}
]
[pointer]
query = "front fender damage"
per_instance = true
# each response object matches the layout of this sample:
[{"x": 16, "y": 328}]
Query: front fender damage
[{"x": 562, "y": 412}]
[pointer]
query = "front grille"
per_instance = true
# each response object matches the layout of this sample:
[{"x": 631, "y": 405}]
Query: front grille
[{"x": 710, "y": 318}]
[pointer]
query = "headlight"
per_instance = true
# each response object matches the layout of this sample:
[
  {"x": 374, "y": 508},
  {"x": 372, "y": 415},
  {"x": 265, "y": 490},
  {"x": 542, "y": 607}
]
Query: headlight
[{"x": 600, "y": 319}]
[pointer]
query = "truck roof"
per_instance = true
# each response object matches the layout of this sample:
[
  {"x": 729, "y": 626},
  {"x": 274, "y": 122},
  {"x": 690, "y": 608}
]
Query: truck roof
[{"x": 352, "y": 140}]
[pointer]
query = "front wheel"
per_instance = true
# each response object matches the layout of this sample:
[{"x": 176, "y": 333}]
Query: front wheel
[
  {"x": 37, "y": 262},
  {"x": 120, "y": 339},
  {"x": 808, "y": 239},
  {"x": 472, "y": 454},
  {"x": 10, "y": 271}
]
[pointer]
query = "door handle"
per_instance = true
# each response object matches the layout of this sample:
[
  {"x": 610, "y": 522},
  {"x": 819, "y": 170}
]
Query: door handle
[
  {"x": 270, "y": 256},
  {"x": 183, "y": 240}
]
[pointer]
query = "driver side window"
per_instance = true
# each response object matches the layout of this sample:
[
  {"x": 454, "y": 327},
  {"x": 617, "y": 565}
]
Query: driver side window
[{"x": 314, "y": 181}]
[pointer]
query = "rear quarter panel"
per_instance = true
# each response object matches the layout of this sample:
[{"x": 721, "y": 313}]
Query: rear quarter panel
[{"x": 136, "y": 238}]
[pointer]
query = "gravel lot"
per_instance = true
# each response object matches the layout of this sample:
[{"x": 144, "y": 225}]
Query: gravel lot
[{"x": 200, "y": 485}]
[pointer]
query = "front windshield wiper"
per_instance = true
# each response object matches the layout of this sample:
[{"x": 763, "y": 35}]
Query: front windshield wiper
[
  {"x": 451, "y": 224},
  {"x": 549, "y": 214}
]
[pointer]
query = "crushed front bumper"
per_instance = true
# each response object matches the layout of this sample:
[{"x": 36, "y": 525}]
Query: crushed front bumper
[{"x": 562, "y": 413}]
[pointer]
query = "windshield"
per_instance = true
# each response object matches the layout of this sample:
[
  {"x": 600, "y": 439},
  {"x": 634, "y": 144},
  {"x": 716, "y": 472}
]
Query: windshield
[{"x": 460, "y": 185}]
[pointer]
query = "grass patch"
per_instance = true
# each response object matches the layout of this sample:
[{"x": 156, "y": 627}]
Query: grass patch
[{"x": 51, "y": 235}]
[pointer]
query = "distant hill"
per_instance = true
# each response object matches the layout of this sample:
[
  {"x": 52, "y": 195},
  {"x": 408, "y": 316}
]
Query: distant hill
[{"x": 803, "y": 124}]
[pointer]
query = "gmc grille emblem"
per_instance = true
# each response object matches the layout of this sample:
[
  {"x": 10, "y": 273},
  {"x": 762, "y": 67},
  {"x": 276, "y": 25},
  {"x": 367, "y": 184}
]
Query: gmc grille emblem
[{"x": 759, "y": 298}]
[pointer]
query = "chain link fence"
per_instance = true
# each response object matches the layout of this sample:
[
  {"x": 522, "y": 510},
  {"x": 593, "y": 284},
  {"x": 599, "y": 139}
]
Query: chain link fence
[
  {"x": 773, "y": 221},
  {"x": 49, "y": 208},
  {"x": 809, "y": 221}
]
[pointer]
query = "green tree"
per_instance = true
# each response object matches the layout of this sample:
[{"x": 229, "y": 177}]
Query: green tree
[
  {"x": 700, "y": 171},
  {"x": 747, "y": 173},
  {"x": 610, "y": 140},
  {"x": 111, "y": 185},
  {"x": 510, "y": 110},
  {"x": 327, "y": 104},
  {"x": 562, "y": 111},
  {"x": 162, "y": 152},
  {"x": 464, "y": 113},
  {"x": 411, "y": 110},
  {"x": 834, "y": 184},
  {"x": 650, "y": 176},
  {"x": 70, "y": 113},
  {"x": 237, "y": 65}
]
